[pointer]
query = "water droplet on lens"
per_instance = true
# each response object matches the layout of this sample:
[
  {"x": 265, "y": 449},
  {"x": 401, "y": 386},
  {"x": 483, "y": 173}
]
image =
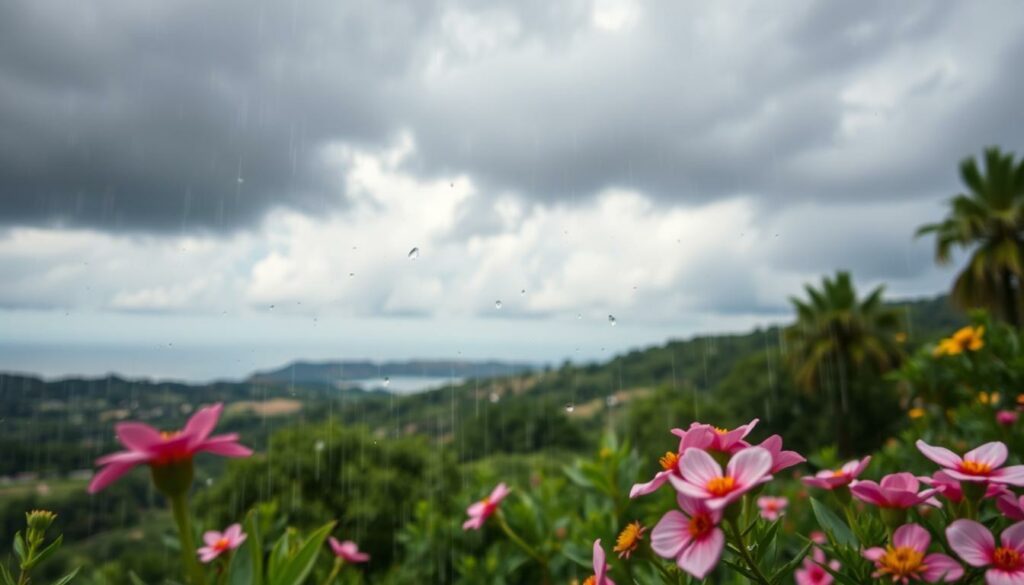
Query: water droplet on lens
[
  {"x": 522, "y": 292},
  {"x": 240, "y": 180},
  {"x": 387, "y": 381},
  {"x": 497, "y": 304},
  {"x": 611, "y": 401},
  {"x": 209, "y": 481},
  {"x": 579, "y": 316},
  {"x": 570, "y": 407},
  {"x": 271, "y": 307},
  {"x": 611, "y": 319},
  {"x": 351, "y": 274},
  {"x": 414, "y": 253},
  {"x": 494, "y": 397},
  {"x": 319, "y": 445}
]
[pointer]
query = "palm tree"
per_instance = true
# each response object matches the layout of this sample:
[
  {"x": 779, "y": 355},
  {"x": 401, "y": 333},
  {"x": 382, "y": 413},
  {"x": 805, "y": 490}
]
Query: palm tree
[
  {"x": 838, "y": 340},
  {"x": 989, "y": 219}
]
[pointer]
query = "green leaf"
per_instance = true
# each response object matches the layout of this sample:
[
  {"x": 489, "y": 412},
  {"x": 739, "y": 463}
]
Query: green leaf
[
  {"x": 784, "y": 572},
  {"x": 8, "y": 579},
  {"x": 836, "y": 529},
  {"x": 19, "y": 546},
  {"x": 278, "y": 557},
  {"x": 576, "y": 477},
  {"x": 46, "y": 552},
  {"x": 300, "y": 564},
  {"x": 255, "y": 542},
  {"x": 135, "y": 578},
  {"x": 67, "y": 578}
]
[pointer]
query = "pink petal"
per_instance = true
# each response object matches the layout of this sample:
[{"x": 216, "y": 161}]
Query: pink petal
[
  {"x": 693, "y": 506},
  {"x": 225, "y": 446},
  {"x": 688, "y": 489},
  {"x": 1010, "y": 506},
  {"x": 476, "y": 509},
  {"x": 108, "y": 475},
  {"x": 902, "y": 481},
  {"x": 698, "y": 467},
  {"x": 971, "y": 541},
  {"x": 201, "y": 424},
  {"x": 473, "y": 523},
  {"x": 912, "y": 536},
  {"x": 233, "y": 532},
  {"x": 940, "y": 455},
  {"x": 873, "y": 553},
  {"x": 600, "y": 566},
  {"x": 749, "y": 466},
  {"x": 699, "y": 437},
  {"x": 1013, "y": 537},
  {"x": 941, "y": 567},
  {"x": 211, "y": 537},
  {"x": 1000, "y": 577},
  {"x": 137, "y": 436},
  {"x": 854, "y": 468},
  {"x": 1012, "y": 475},
  {"x": 702, "y": 555},
  {"x": 122, "y": 457},
  {"x": 670, "y": 534},
  {"x": 207, "y": 554},
  {"x": 642, "y": 489},
  {"x": 869, "y": 492},
  {"x": 498, "y": 493},
  {"x": 992, "y": 454}
]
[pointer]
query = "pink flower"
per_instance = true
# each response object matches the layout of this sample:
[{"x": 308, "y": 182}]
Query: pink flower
[
  {"x": 717, "y": 439},
  {"x": 702, "y": 476},
  {"x": 1007, "y": 418},
  {"x": 218, "y": 543},
  {"x": 772, "y": 507},
  {"x": 978, "y": 465},
  {"x": 149, "y": 446},
  {"x": 897, "y": 490},
  {"x": 600, "y": 576},
  {"x": 831, "y": 479},
  {"x": 950, "y": 488},
  {"x": 813, "y": 571},
  {"x": 348, "y": 551},
  {"x": 699, "y": 436},
  {"x": 780, "y": 459},
  {"x": 482, "y": 510},
  {"x": 976, "y": 546},
  {"x": 691, "y": 537},
  {"x": 1011, "y": 506},
  {"x": 907, "y": 558}
]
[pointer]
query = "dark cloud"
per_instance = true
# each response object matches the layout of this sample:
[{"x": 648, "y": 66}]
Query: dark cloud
[{"x": 145, "y": 115}]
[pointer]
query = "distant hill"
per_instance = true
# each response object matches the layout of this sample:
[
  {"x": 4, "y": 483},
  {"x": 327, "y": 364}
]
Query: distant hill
[{"x": 333, "y": 372}]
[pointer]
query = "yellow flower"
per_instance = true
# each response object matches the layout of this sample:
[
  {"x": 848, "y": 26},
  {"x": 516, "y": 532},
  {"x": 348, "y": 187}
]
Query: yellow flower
[
  {"x": 604, "y": 453},
  {"x": 916, "y": 413},
  {"x": 1020, "y": 399},
  {"x": 900, "y": 337},
  {"x": 629, "y": 539},
  {"x": 966, "y": 339},
  {"x": 983, "y": 397}
]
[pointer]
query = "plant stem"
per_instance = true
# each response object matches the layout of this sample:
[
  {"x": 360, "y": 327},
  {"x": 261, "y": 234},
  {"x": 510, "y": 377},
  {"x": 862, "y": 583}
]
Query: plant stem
[
  {"x": 529, "y": 550},
  {"x": 334, "y": 571},
  {"x": 742, "y": 547},
  {"x": 179, "y": 507}
]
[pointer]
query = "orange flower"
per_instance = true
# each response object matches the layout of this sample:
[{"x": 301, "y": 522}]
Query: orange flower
[{"x": 629, "y": 539}]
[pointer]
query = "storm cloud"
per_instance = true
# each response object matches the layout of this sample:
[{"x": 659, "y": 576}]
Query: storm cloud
[{"x": 192, "y": 115}]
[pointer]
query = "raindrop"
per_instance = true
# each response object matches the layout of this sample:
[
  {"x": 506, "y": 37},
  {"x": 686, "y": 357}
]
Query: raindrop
[
  {"x": 497, "y": 304},
  {"x": 611, "y": 319},
  {"x": 319, "y": 445},
  {"x": 569, "y": 407},
  {"x": 494, "y": 397},
  {"x": 271, "y": 307},
  {"x": 579, "y": 316},
  {"x": 414, "y": 253},
  {"x": 522, "y": 292},
  {"x": 351, "y": 274},
  {"x": 209, "y": 481},
  {"x": 387, "y": 381},
  {"x": 611, "y": 401},
  {"x": 240, "y": 180}
]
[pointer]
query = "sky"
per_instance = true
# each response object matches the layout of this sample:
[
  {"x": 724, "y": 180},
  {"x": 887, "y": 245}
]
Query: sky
[{"x": 196, "y": 190}]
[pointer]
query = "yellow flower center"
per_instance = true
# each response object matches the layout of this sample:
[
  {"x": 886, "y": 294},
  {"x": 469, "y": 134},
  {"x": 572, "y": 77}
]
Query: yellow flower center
[
  {"x": 901, "y": 562},
  {"x": 838, "y": 473},
  {"x": 629, "y": 538},
  {"x": 700, "y": 524},
  {"x": 721, "y": 431},
  {"x": 168, "y": 435},
  {"x": 591, "y": 580},
  {"x": 975, "y": 468},
  {"x": 221, "y": 544},
  {"x": 719, "y": 486},
  {"x": 669, "y": 461},
  {"x": 1006, "y": 559}
]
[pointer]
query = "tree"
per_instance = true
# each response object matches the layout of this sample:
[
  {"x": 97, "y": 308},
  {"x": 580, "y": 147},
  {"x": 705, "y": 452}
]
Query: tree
[
  {"x": 840, "y": 342},
  {"x": 989, "y": 219}
]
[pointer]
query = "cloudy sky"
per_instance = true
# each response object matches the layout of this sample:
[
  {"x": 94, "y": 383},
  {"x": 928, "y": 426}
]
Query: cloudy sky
[{"x": 197, "y": 189}]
